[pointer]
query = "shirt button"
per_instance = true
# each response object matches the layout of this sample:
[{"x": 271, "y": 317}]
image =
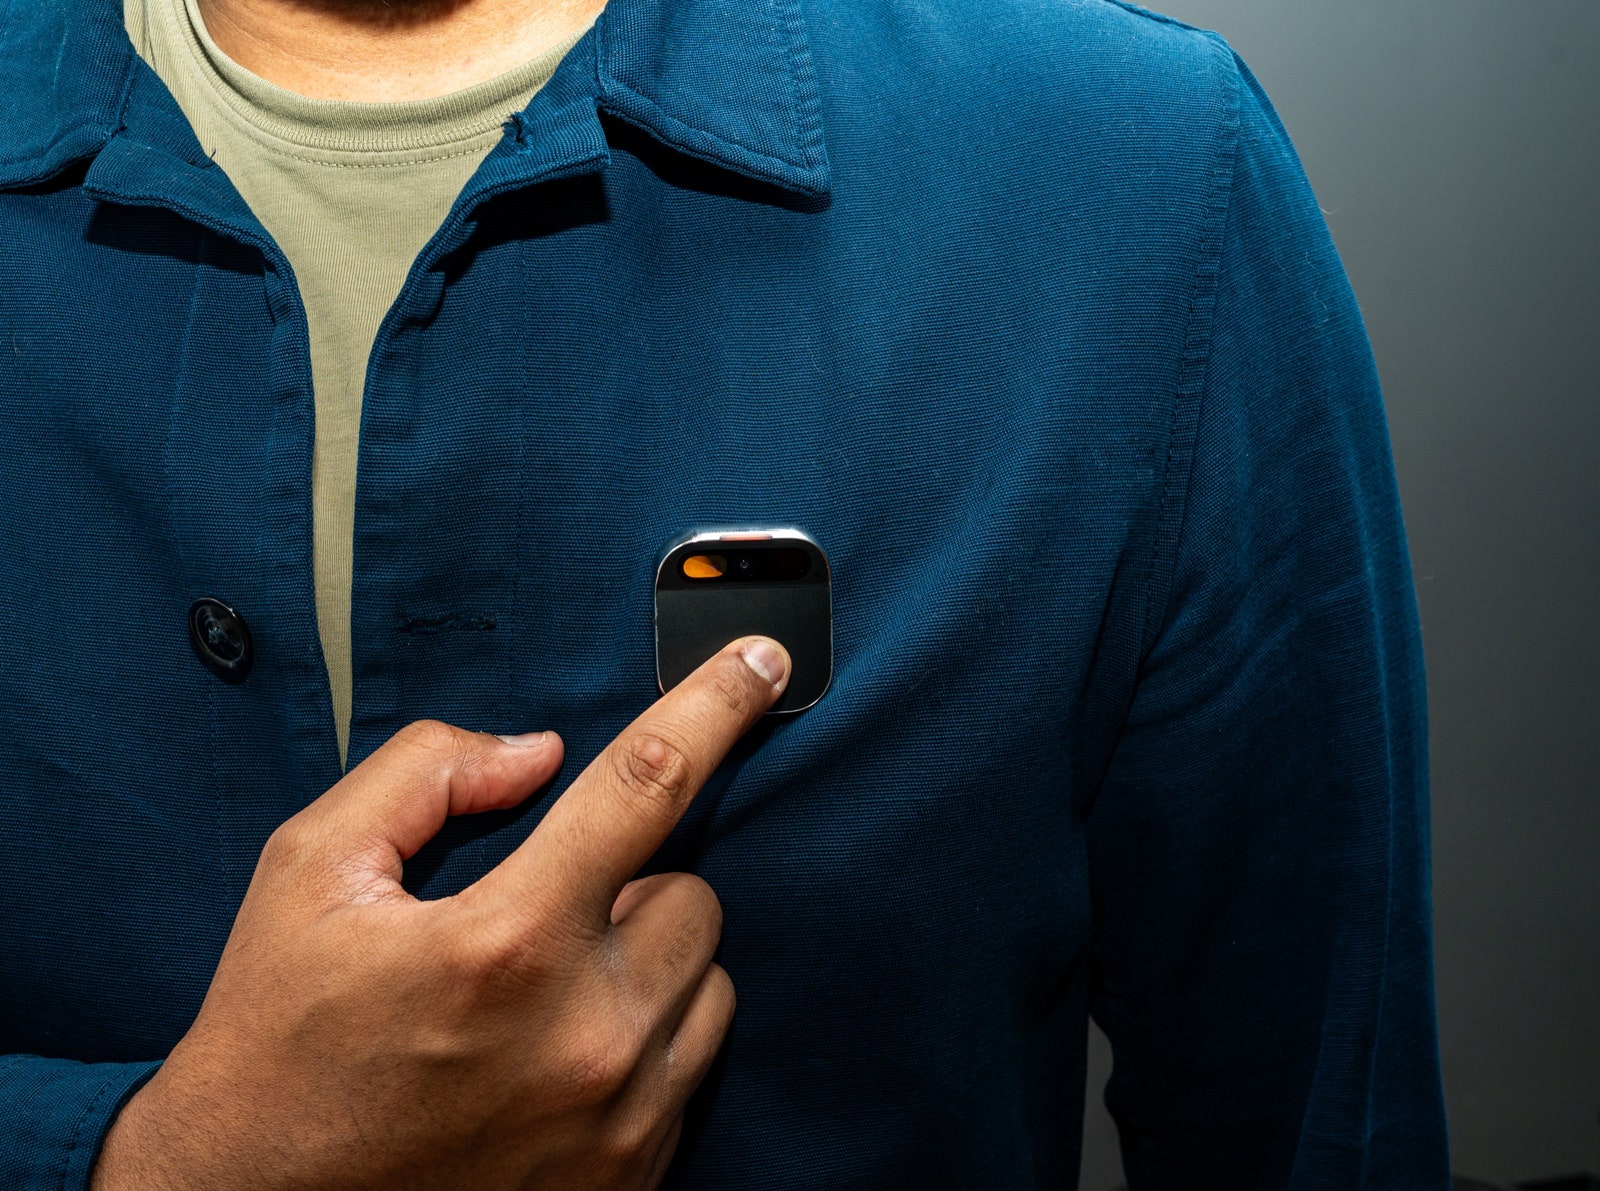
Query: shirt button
[{"x": 221, "y": 639}]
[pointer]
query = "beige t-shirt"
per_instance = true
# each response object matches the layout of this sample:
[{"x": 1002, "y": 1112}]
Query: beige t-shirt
[{"x": 351, "y": 192}]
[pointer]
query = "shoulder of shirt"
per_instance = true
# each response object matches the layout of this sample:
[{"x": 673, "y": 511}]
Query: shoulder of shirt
[
  {"x": 1146, "y": 45},
  {"x": 966, "y": 58},
  {"x": 1069, "y": 89}
]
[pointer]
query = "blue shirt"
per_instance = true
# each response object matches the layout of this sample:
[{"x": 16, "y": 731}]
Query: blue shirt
[{"x": 1026, "y": 312}]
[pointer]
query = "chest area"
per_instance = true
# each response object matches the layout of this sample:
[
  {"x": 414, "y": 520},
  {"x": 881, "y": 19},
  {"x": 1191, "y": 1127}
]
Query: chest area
[{"x": 537, "y": 426}]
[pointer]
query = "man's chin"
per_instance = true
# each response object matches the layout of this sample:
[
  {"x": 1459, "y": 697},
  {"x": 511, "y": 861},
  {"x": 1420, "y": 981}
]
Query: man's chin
[{"x": 386, "y": 12}]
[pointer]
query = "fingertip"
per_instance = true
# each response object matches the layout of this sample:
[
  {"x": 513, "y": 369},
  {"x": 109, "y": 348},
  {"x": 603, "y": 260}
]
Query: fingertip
[
  {"x": 769, "y": 659},
  {"x": 506, "y": 774},
  {"x": 546, "y": 748},
  {"x": 526, "y": 740}
]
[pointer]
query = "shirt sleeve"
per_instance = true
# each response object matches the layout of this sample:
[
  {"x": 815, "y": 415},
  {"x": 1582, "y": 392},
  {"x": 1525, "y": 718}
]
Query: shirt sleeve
[
  {"x": 1259, "y": 847},
  {"x": 54, "y": 1114}
]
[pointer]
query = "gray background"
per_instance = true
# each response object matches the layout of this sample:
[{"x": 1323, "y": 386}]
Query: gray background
[{"x": 1455, "y": 147}]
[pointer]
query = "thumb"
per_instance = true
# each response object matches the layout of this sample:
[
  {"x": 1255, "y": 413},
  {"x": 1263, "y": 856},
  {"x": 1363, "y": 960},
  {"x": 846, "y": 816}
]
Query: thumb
[{"x": 386, "y": 808}]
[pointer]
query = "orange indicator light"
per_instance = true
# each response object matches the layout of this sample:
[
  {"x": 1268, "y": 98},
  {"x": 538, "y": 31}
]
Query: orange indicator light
[{"x": 705, "y": 566}]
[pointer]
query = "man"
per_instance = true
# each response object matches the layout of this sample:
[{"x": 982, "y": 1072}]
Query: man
[{"x": 362, "y": 360}]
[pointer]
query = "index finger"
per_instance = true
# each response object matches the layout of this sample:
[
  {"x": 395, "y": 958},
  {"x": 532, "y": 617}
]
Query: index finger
[{"x": 621, "y": 808}]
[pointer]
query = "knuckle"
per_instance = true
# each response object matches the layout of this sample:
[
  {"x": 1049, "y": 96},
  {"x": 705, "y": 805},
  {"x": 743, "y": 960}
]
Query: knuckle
[
  {"x": 508, "y": 955},
  {"x": 429, "y": 736},
  {"x": 683, "y": 950},
  {"x": 703, "y": 908},
  {"x": 290, "y": 843},
  {"x": 440, "y": 747},
  {"x": 489, "y": 954},
  {"x": 654, "y": 768},
  {"x": 598, "y": 1067},
  {"x": 637, "y": 1134},
  {"x": 695, "y": 1046}
]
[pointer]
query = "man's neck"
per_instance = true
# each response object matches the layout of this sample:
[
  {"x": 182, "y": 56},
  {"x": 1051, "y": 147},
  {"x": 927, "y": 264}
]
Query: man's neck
[{"x": 388, "y": 51}]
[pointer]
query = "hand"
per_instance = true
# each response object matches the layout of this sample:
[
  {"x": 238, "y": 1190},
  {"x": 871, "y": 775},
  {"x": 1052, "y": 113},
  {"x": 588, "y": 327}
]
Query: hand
[{"x": 544, "y": 1027}]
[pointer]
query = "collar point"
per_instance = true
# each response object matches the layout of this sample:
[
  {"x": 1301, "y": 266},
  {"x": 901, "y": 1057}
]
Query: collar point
[
  {"x": 36, "y": 168},
  {"x": 796, "y": 163}
]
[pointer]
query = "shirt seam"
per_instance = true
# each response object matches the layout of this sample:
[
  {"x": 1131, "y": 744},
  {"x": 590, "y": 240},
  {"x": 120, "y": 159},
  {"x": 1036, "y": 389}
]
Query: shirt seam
[
  {"x": 278, "y": 151},
  {"x": 1183, "y": 426},
  {"x": 805, "y": 94},
  {"x": 77, "y": 1131}
]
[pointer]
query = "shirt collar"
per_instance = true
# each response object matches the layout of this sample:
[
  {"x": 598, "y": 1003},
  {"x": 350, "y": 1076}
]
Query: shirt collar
[{"x": 725, "y": 81}]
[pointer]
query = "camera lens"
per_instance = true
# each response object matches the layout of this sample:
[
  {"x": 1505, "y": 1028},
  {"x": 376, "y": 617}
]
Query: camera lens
[{"x": 744, "y": 564}]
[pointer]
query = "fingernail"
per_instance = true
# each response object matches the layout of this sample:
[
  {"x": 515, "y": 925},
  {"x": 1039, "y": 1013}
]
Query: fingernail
[
  {"x": 767, "y": 660},
  {"x": 527, "y": 740}
]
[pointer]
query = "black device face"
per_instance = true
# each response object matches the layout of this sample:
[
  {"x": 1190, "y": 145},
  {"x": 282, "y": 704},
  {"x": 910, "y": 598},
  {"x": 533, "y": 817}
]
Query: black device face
[{"x": 712, "y": 588}]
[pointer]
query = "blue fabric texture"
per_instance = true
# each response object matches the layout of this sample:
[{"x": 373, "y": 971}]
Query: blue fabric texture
[{"x": 1027, "y": 313}]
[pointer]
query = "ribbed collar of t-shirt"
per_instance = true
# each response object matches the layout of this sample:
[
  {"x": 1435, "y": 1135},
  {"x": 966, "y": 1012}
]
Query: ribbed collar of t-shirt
[{"x": 343, "y": 130}]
